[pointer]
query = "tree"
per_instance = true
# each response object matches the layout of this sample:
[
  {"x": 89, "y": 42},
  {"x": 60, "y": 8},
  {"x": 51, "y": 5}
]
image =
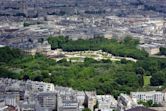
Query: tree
[
  {"x": 158, "y": 79},
  {"x": 7, "y": 54},
  {"x": 163, "y": 51},
  {"x": 25, "y": 77},
  {"x": 157, "y": 105},
  {"x": 103, "y": 76},
  {"x": 38, "y": 78},
  {"x": 90, "y": 60},
  {"x": 140, "y": 74},
  {"x": 141, "y": 80},
  {"x": 86, "y": 109},
  {"x": 140, "y": 71},
  {"x": 124, "y": 61},
  {"x": 149, "y": 103},
  {"x": 130, "y": 41}
]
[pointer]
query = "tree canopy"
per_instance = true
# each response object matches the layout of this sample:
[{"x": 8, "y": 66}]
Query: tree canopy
[{"x": 105, "y": 77}]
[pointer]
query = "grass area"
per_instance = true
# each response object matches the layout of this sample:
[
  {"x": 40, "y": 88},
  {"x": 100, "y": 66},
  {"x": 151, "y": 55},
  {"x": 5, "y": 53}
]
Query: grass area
[{"x": 147, "y": 80}]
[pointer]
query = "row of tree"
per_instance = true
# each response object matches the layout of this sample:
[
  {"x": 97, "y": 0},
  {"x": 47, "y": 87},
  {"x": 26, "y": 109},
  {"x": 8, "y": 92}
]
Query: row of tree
[
  {"x": 7, "y": 54},
  {"x": 163, "y": 51}
]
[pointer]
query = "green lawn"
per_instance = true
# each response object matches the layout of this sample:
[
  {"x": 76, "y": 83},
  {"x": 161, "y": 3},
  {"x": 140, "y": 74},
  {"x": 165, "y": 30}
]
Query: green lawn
[{"x": 147, "y": 80}]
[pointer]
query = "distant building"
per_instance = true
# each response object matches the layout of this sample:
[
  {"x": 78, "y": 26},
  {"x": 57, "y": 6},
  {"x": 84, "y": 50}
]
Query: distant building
[
  {"x": 43, "y": 48},
  {"x": 27, "y": 106},
  {"x": 41, "y": 86},
  {"x": 90, "y": 99},
  {"x": 67, "y": 103},
  {"x": 47, "y": 100},
  {"x": 125, "y": 102},
  {"x": 156, "y": 97},
  {"x": 108, "y": 35},
  {"x": 30, "y": 51},
  {"x": 150, "y": 49},
  {"x": 12, "y": 100},
  {"x": 3, "y": 107},
  {"x": 106, "y": 103},
  {"x": 81, "y": 99}
]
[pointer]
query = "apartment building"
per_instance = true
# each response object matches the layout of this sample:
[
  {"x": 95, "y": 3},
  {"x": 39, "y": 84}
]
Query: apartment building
[
  {"x": 125, "y": 102},
  {"x": 156, "y": 97},
  {"x": 106, "y": 103},
  {"x": 47, "y": 100}
]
